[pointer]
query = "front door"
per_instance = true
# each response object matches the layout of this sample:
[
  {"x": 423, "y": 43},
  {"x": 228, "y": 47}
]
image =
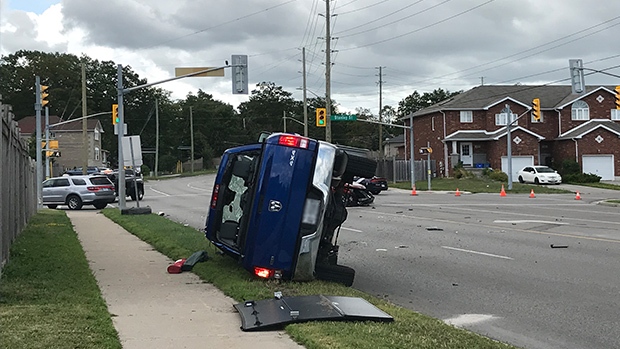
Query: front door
[{"x": 467, "y": 156}]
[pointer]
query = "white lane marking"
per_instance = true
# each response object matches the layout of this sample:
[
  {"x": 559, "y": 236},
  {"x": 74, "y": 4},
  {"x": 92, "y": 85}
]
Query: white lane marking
[
  {"x": 189, "y": 185},
  {"x": 160, "y": 192},
  {"x": 477, "y": 252},
  {"x": 351, "y": 229},
  {"x": 531, "y": 221},
  {"x": 468, "y": 319}
]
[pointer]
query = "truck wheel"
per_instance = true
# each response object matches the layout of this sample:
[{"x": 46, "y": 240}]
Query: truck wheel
[
  {"x": 360, "y": 166},
  {"x": 335, "y": 273}
]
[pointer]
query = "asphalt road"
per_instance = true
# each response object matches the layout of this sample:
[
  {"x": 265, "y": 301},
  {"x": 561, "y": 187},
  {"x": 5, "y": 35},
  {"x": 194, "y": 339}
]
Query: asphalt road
[{"x": 480, "y": 261}]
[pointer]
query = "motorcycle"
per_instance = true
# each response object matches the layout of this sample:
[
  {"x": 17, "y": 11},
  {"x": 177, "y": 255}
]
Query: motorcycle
[{"x": 356, "y": 194}]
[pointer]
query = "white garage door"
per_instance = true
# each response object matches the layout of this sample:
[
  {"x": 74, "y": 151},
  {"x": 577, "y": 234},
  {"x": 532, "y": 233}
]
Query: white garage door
[
  {"x": 518, "y": 162},
  {"x": 600, "y": 165}
]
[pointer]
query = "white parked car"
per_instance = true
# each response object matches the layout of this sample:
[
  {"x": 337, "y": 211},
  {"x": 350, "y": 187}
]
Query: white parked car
[{"x": 539, "y": 175}]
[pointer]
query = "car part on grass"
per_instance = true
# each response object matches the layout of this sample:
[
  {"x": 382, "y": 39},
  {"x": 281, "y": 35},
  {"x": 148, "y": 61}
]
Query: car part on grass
[{"x": 271, "y": 314}]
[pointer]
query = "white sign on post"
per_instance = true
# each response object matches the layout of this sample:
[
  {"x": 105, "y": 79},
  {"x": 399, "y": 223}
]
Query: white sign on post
[{"x": 132, "y": 151}]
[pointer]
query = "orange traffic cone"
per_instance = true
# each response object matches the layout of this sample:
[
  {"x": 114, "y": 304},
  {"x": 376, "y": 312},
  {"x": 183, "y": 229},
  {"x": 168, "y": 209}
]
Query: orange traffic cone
[
  {"x": 532, "y": 195},
  {"x": 577, "y": 197},
  {"x": 457, "y": 192},
  {"x": 503, "y": 192},
  {"x": 413, "y": 192}
]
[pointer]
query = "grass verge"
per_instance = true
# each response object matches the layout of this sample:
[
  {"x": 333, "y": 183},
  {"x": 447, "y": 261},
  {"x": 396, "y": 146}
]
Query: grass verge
[
  {"x": 409, "y": 330},
  {"x": 48, "y": 295},
  {"x": 478, "y": 185}
]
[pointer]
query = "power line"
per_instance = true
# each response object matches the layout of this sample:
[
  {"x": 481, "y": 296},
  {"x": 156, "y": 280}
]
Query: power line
[{"x": 422, "y": 28}]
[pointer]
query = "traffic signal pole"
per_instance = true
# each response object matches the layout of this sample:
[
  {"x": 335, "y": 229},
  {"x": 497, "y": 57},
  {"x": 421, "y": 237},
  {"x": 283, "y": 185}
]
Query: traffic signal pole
[{"x": 239, "y": 86}]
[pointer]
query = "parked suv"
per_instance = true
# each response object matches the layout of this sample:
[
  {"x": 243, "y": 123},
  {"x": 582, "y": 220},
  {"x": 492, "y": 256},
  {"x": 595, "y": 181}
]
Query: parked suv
[
  {"x": 76, "y": 191},
  {"x": 277, "y": 207}
]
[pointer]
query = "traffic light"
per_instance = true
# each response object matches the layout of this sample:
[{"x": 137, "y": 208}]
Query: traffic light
[
  {"x": 617, "y": 97},
  {"x": 320, "y": 117},
  {"x": 115, "y": 118},
  {"x": 536, "y": 109},
  {"x": 44, "y": 95}
]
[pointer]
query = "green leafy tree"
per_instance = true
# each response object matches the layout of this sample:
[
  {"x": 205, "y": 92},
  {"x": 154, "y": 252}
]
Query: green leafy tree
[
  {"x": 415, "y": 101},
  {"x": 265, "y": 108}
]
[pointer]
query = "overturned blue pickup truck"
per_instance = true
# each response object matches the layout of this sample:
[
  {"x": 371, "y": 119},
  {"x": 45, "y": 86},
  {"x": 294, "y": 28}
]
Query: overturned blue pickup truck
[{"x": 277, "y": 206}]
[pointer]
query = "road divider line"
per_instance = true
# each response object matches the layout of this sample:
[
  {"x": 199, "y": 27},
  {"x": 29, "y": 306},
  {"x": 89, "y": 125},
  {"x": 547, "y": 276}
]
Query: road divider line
[
  {"x": 477, "y": 252},
  {"x": 530, "y": 221},
  {"x": 160, "y": 192},
  {"x": 351, "y": 229}
]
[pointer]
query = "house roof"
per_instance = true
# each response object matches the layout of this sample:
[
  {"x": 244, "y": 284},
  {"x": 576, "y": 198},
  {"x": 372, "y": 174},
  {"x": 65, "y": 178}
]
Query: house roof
[
  {"x": 482, "y": 135},
  {"x": 395, "y": 140},
  {"x": 483, "y": 97},
  {"x": 27, "y": 125},
  {"x": 589, "y": 126}
]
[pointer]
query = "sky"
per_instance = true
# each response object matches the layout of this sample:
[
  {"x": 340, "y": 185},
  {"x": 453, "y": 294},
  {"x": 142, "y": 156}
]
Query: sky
[{"x": 381, "y": 50}]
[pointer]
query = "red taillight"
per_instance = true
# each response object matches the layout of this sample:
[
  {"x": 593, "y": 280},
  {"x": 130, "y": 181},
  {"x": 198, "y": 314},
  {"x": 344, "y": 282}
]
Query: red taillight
[
  {"x": 293, "y": 141},
  {"x": 94, "y": 189},
  {"x": 216, "y": 191},
  {"x": 263, "y": 272}
]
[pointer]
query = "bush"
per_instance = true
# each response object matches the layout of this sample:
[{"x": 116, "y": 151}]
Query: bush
[
  {"x": 581, "y": 178},
  {"x": 460, "y": 172},
  {"x": 568, "y": 167},
  {"x": 145, "y": 170},
  {"x": 498, "y": 176}
]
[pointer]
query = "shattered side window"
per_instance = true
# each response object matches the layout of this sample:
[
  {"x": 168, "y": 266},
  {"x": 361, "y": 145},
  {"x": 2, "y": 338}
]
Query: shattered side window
[
  {"x": 233, "y": 211},
  {"x": 234, "y": 197}
]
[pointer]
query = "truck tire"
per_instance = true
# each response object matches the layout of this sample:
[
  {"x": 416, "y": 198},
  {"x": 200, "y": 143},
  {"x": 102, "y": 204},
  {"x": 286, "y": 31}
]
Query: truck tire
[
  {"x": 140, "y": 194},
  {"x": 360, "y": 166},
  {"x": 335, "y": 273}
]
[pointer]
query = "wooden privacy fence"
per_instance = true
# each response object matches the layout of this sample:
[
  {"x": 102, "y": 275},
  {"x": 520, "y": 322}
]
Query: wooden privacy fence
[{"x": 18, "y": 186}]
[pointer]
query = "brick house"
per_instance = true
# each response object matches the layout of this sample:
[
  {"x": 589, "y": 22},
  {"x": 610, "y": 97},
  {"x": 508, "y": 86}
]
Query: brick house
[
  {"x": 472, "y": 127},
  {"x": 70, "y": 141}
]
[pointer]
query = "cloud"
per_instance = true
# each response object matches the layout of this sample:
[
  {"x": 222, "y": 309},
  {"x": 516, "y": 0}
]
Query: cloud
[{"x": 420, "y": 45}]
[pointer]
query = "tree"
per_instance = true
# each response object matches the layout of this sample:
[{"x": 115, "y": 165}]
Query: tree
[
  {"x": 265, "y": 108},
  {"x": 415, "y": 101}
]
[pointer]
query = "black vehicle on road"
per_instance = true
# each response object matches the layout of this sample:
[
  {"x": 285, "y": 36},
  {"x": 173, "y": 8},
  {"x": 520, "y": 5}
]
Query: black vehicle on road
[{"x": 132, "y": 181}]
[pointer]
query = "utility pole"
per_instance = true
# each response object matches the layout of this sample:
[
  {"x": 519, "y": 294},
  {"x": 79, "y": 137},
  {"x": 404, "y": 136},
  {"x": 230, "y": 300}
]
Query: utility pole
[
  {"x": 47, "y": 142},
  {"x": 156, "y": 136},
  {"x": 381, "y": 112},
  {"x": 284, "y": 119},
  {"x": 191, "y": 127},
  {"x": 328, "y": 67},
  {"x": 303, "y": 57},
  {"x": 84, "y": 123},
  {"x": 37, "y": 108}
]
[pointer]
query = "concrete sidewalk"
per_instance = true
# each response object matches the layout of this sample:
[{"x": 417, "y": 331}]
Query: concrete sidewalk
[{"x": 153, "y": 309}]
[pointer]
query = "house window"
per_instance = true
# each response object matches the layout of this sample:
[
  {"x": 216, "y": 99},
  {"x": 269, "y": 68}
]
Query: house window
[
  {"x": 501, "y": 119},
  {"x": 580, "y": 111},
  {"x": 467, "y": 116},
  {"x": 96, "y": 134},
  {"x": 615, "y": 114},
  {"x": 97, "y": 154},
  {"x": 542, "y": 116}
]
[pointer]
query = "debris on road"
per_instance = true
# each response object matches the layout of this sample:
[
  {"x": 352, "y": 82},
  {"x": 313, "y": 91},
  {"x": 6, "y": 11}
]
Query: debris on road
[
  {"x": 559, "y": 246},
  {"x": 434, "y": 229}
]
